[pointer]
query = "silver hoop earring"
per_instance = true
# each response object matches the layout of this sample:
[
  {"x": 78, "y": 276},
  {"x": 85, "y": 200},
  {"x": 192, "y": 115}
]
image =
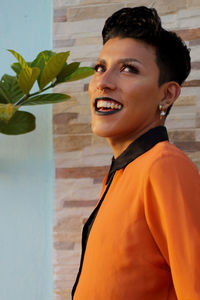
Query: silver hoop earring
[{"x": 162, "y": 112}]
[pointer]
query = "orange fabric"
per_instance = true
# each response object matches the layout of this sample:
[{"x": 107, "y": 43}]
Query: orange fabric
[{"x": 145, "y": 241}]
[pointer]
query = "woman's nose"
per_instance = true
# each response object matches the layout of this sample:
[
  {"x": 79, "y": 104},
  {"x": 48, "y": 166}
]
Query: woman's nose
[{"x": 106, "y": 81}]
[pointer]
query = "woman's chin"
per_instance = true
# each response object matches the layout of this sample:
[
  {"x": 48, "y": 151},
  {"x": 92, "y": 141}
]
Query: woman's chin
[{"x": 102, "y": 132}]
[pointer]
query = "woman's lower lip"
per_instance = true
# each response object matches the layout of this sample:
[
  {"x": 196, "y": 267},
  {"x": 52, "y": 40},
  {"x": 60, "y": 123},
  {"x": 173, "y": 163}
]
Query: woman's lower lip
[{"x": 107, "y": 112}]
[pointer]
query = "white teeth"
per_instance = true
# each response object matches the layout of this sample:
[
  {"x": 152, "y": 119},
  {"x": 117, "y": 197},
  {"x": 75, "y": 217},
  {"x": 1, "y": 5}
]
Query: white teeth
[
  {"x": 106, "y": 104},
  {"x": 100, "y": 104}
]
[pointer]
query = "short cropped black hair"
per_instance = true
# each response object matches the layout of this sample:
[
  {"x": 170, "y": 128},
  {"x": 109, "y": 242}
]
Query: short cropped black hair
[{"x": 144, "y": 24}]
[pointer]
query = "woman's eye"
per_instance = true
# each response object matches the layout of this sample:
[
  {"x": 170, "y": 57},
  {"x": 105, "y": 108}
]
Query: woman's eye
[
  {"x": 130, "y": 69},
  {"x": 99, "y": 68}
]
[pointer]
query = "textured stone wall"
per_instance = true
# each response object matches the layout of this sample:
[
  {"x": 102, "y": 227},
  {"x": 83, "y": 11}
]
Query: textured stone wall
[{"x": 81, "y": 159}]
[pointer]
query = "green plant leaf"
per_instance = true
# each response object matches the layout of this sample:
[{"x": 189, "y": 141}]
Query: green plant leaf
[
  {"x": 80, "y": 73},
  {"x": 20, "y": 59},
  {"x": 66, "y": 71},
  {"x": 10, "y": 91},
  {"x": 41, "y": 61},
  {"x": 7, "y": 111},
  {"x": 42, "y": 56},
  {"x": 46, "y": 99},
  {"x": 27, "y": 78},
  {"x": 22, "y": 122},
  {"x": 17, "y": 67},
  {"x": 53, "y": 68},
  {"x": 4, "y": 94}
]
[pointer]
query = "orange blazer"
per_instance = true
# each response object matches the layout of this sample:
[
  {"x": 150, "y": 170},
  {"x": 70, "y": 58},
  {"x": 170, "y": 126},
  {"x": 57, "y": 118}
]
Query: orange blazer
[{"x": 145, "y": 241}]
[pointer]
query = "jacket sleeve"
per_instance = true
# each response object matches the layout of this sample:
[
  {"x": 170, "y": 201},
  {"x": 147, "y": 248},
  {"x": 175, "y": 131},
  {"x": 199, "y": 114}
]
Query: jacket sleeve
[{"x": 172, "y": 208}]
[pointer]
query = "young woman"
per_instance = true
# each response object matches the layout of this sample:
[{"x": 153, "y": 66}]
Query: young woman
[{"x": 142, "y": 241}]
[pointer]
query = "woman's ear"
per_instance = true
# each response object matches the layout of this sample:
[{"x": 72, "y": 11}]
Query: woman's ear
[{"x": 172, "y": 91}]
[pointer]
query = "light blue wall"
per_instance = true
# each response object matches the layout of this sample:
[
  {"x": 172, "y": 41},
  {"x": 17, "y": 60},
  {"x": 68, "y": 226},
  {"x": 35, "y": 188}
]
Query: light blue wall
[{"x": 26, "y": 167}]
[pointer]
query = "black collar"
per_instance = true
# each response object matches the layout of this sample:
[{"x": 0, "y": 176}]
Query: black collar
[{"x": 142, "y": 144}]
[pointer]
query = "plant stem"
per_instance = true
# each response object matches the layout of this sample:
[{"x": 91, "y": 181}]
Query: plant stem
[
  {"x": 21, "y": 100},
  {"x": 24, "y": 98}
]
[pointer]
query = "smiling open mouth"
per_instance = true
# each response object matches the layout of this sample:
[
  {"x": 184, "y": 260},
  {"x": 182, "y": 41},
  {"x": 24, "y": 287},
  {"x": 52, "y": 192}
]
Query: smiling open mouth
[{"x": 106, "y": 106}]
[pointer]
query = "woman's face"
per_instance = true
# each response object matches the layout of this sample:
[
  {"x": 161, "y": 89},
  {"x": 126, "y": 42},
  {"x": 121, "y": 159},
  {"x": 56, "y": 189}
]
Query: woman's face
[{"x": 124, "y": 90}]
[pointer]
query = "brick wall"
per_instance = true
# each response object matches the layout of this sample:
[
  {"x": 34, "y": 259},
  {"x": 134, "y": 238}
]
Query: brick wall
[{"x": 81, "y": 159}]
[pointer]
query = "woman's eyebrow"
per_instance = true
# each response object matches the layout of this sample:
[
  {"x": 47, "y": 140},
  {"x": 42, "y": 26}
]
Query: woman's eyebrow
[
  {"x": 101, "y": 61},
  {"x": 131, "y": 59},
  {"x": 120, "y": 61}
]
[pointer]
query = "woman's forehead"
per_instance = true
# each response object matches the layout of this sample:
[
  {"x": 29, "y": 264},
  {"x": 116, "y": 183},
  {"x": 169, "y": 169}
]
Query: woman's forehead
[{"x": 126, "y": 50}]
